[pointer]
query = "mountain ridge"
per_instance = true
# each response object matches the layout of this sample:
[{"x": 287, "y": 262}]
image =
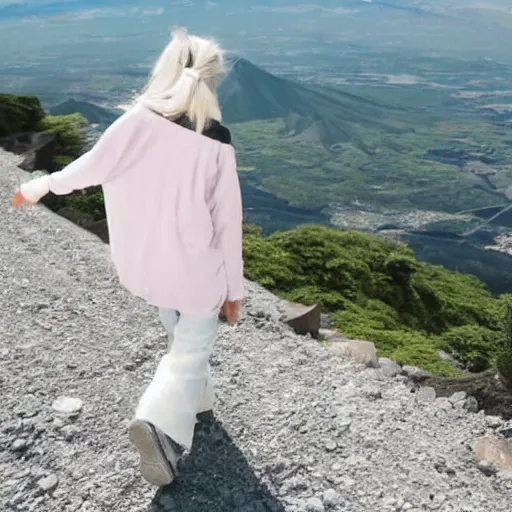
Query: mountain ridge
[{"x": 250, "y": 93}]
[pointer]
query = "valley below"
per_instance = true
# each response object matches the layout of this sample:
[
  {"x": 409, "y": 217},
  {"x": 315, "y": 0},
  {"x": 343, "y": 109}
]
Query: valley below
[{"x": 414, "y": 146}]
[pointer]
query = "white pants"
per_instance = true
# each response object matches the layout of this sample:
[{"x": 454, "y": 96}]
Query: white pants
[{"x": 182, "y": 385}]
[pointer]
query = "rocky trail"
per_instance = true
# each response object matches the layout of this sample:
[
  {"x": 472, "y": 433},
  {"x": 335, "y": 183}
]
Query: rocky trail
[{"x": 296, "y": 429}]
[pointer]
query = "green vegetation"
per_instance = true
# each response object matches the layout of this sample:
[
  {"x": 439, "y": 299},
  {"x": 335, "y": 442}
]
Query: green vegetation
[
  {"x": 377, "y": 290},
  {"x": 504, "y": 359},
  {"x": 441, "y": 166},
  {"x": 89, "y": 202},
  {"x": 25, "y": 114},
  {"x": 69, "y": 135},
  {"x": 19, "y": 114},
  {"x": 92, "y": 113}
]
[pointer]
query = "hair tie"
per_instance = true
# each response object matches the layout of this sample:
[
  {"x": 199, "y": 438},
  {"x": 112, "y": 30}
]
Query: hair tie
[{"x": 192, "y": 73}]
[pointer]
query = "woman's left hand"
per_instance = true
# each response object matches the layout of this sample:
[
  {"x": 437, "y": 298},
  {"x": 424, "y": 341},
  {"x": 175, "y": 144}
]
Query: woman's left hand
[{"x": 19, "y": 200}]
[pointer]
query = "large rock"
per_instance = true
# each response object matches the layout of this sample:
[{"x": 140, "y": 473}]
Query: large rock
[
  {"x": 302, "y": 319},
  {"x": 389, "y": 368},
  {"x": 495, "y": 450},
  {"x": 359, "y": 350},
  {"x": 38, "y": 150}
]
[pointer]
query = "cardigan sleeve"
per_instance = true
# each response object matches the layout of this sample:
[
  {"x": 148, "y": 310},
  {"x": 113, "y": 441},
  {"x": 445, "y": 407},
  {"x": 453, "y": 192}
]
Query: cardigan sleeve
[
  {"x": 227, "y": 217},
  {"x": 95, "y": 167}
]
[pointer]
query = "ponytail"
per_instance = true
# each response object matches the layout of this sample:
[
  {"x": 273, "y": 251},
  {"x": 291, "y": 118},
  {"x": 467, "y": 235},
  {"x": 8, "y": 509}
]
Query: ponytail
[{"x": 184, "y": 80}]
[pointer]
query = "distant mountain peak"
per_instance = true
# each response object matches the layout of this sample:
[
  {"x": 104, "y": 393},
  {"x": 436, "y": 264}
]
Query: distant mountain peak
[{"x": 330, "y": 115}]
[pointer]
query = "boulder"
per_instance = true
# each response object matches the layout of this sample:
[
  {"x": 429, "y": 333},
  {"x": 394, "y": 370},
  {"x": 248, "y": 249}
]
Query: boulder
[
  {"x": 37, "y": 149},
  {"x": 327, "y": 334},
  {"x": 389, "y": 368},
  {"x": 359, "y": 350},
  {"x": 302, "y": 319},
  {"x": 495, "y": 450}
]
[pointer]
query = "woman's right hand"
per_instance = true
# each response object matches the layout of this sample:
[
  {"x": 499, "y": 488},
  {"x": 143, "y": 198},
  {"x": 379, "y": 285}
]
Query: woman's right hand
[
  {"x": 19, "y": 200},
  {"x": 231, "y": 310}
]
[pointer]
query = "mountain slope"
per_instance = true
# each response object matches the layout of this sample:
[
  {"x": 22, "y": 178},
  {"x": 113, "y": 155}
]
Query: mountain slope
[
  {"x": 249, "y": 93},
  {"x": 287, "y": 410},
  {"x": 93, "y": 113}
]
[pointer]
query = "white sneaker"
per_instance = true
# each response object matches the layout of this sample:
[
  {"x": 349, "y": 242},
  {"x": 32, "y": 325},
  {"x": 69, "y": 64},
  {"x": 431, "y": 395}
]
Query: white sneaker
[{"x": 159, "y": 454}]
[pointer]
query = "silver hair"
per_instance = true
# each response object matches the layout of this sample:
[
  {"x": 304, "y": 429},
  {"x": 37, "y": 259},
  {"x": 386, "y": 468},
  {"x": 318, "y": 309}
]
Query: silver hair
[{"x": 184, "y": 80}]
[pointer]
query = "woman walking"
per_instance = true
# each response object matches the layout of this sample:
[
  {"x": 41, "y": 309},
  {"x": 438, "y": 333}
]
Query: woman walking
[{"x": 174, "y": 212}]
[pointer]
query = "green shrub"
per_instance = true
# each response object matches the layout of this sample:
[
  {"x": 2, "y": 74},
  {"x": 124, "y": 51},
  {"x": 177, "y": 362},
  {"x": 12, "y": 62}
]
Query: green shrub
[
  {"x": 504, "y": 365},
  {"x": 473, "y": 345},
  {"x": 362, "y": 321},
  {"x": 377, "y": 290},
  {"x": 504, "y": 357},
  {"x": 69, "y": 133},
  {"x": 90, "y": 202},
  {"x": 424, "y": 355},
  {"x": 19, "y": 114},
  {"x": 311, "y": 294},
  {"x": 268, "y": 265},
  {"x": 62, "y": 161}
]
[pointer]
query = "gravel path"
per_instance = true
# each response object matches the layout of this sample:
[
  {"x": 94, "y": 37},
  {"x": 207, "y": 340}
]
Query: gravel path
[{"x": 295, "y": 429}]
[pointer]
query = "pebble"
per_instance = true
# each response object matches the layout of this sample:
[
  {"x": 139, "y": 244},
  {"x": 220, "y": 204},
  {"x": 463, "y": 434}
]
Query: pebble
[
  {"x": 389, "y": 367},
  {"x": 505, "y": 475},
  {"x": 486, "y": 468},
  {"x": 331, "y": 498},
  {"x": 330, "y": 445},
  {"x": 459, "y": 396},
  {"x": 315, "y": 505},
  {"x": 494, "y": 421},
  {"x": 19, "y": 445},
  {"x": 67, "y": 405},
  {"x": 471, "y": 405},
  {"x": 48, "y": 483},
  {"x": 58, "y": 423},
  {"x": 426, "y": 394},
  {"x": 69, "y": 432},
  {"x": 444, "y": 403}
]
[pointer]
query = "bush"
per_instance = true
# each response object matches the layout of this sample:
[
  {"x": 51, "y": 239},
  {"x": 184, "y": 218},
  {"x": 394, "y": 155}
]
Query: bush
[
  {"x": 377, "y": 290},
  {"x": 504, "y": 358},
  {"x": 473, "y": 345},
  {"x": 90, "y": 202},
  {"x": 69, "y": 133},
  {"x": 424, "y": 355},
  {"x": 19, "y": 114}
]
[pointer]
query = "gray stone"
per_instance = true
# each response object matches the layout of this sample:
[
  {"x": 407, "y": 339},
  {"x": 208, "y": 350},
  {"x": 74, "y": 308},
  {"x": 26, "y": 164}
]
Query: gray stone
[
  {"x": 459, "y": 396},
  {"x": 330, "y": 445},
  {"x": 426, "y": 394},
  {"x": 359, "y": 350},
  {"x": 48, "y": 483},
  {"x": 444, "y": 403},
  {"x": 331, "y": 498},
  {"x": 315, "y": 505},
  {"x": 70, "y": 432},
  {"x": 471, "y": 404},
  {"x": 505, "y": 475},
  {"x": 327, "y": 334},
  {"x": 389, "y": 367},
  {"x": 58, "y": 423},
  {"x": 19, "y": 445},
  {"x": 494, "y": 421},
  {"x": 67, "y": 405},
  {"x": 486, "y": 468}
]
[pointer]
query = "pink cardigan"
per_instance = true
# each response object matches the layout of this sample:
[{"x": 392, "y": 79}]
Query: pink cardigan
[{"x": 174, "y": 210}]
